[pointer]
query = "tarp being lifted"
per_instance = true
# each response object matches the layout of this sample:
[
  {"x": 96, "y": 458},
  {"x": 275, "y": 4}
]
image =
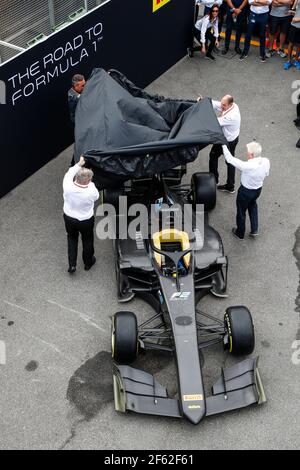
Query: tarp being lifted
[{"x": 126, "y": 133}]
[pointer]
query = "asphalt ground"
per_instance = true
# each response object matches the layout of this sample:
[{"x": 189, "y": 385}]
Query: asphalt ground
[{"x": 56, "y": 384}]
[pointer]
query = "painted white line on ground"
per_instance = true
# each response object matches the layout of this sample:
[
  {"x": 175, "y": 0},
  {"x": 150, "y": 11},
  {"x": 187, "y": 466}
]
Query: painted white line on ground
[
  {"x": 17, "y": 306},
  {"x": 51, "y": 346},
  {"x": 83, "y": 316}
]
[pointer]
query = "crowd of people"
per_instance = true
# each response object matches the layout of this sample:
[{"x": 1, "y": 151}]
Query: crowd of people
[{"x": 280, "y": 17}]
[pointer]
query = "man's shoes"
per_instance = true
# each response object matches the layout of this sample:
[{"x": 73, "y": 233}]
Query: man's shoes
[
  {"x": 297, "y": 123},
  {"x": 87, "y": 268},
  {"x": 72, "y": 269},
  {"x": 287, "y": 65},
  {"x": 270, "y": 53},
  {"x": 225, "y": 50},
  {"x": 263, "y": 58},
  {"x": 238, "y": 50},
  {"x": 209, "y": 56},
  {"x": 226, "y": 188},
  {"x": 281, "y": 53},
  {"x": 253, "y": 234},
  {"x": 233, "y": 231},
  {"x": 243, "y": 56}
]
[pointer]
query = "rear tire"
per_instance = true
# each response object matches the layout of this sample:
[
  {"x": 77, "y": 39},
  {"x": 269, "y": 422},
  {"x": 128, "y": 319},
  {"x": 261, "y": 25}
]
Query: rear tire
[
  {"x": 204, "y": 190},
  {"x": 239, "y": 330},
  {"x": 111, "y": 196},
  {"x": 124, "y": 337}
]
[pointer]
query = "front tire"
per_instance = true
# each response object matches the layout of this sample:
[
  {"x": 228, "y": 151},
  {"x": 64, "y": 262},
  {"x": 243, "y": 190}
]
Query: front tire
[
  {"x": 239, "y": 331},
  {"x": 124, "y": 337}
]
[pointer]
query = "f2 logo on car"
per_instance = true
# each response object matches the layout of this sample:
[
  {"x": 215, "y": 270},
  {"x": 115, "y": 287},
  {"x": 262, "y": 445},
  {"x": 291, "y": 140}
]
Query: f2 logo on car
[{"x": 180, "y": 296}]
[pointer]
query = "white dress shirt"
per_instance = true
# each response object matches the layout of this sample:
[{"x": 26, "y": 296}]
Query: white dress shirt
[
  {"x": 78, "y": 199},
  {"x": 204, "y": 24},
  {"x": 253, "y": 171},
  {"x": 259, "y": 10},
  {"x": 230, "y": 120}
]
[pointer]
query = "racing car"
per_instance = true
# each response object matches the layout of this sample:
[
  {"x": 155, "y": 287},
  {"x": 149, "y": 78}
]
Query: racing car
[{"x": 170, "y": 264}]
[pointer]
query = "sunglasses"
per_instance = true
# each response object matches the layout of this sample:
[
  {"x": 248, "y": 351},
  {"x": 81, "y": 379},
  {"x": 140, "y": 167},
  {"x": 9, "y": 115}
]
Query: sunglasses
[{"x": 215, "y": 11}]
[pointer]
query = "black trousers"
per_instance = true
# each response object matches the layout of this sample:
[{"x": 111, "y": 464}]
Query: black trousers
[
  {"x": 85, "y": 228},
  {"x": 229, "y": 26},
  {"x": 209, "y": 38},
  {"x": 214, "y": 156},
  {"x": 246, "y": 201}
]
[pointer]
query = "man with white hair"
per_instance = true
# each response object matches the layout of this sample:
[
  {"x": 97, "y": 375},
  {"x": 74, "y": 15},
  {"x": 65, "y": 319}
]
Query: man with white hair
[
  {"x": 253, "y": 174},
  {"x": 80, "y": 195}
]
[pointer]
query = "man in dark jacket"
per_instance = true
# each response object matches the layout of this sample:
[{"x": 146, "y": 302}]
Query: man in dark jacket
[{"x": 78, "y": 82}]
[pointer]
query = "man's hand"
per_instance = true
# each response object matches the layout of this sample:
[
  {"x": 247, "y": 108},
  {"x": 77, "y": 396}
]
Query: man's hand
[
  {"x": 81, "y": 161},
  {"x": 203, "y": 50},
  {"x": 217, "y": 43},
  {"x": 200, "y": 97}
]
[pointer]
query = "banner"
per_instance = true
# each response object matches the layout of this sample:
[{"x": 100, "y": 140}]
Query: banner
[
  {"x": 159, "y": 3},
  {"x": 34, "y": 117}
]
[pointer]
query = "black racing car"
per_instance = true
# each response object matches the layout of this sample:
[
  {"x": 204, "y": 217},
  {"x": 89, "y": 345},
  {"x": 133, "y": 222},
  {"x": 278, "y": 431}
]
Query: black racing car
[
  {"x": 173, "y": 269},
  {"x": 138, "y": 145}
]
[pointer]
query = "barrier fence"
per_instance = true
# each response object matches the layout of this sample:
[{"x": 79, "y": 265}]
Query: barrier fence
[{"x": 23, "y": 23}]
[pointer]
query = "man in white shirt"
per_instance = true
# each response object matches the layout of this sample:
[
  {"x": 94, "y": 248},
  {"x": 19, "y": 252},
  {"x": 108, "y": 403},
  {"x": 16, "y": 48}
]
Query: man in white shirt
[
  {"x": 259, "y": 15},
  {"x": 253, "y": 174},
  {"x": 80, "y": 195},
  {"x": 230, "y": 121}
]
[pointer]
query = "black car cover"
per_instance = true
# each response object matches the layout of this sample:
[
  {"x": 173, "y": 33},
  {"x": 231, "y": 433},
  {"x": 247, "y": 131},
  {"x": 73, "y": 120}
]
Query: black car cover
[{"x": 124, "y": 132}]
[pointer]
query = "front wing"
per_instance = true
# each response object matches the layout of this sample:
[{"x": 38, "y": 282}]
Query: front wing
[{"x": 239, "y": 386}]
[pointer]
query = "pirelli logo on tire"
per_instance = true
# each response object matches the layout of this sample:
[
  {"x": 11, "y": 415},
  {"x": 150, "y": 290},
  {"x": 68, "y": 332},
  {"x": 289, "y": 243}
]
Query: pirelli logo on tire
[{"x": 159, "y": 3}]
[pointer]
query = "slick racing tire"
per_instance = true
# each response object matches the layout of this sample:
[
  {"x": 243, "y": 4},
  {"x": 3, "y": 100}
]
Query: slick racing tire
[
  {"x": 124, "y": 337},
  {"x": 239, "y": 330},
  {"x": 111, "y": 196},
  {"x": 204, "y": 190}
]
